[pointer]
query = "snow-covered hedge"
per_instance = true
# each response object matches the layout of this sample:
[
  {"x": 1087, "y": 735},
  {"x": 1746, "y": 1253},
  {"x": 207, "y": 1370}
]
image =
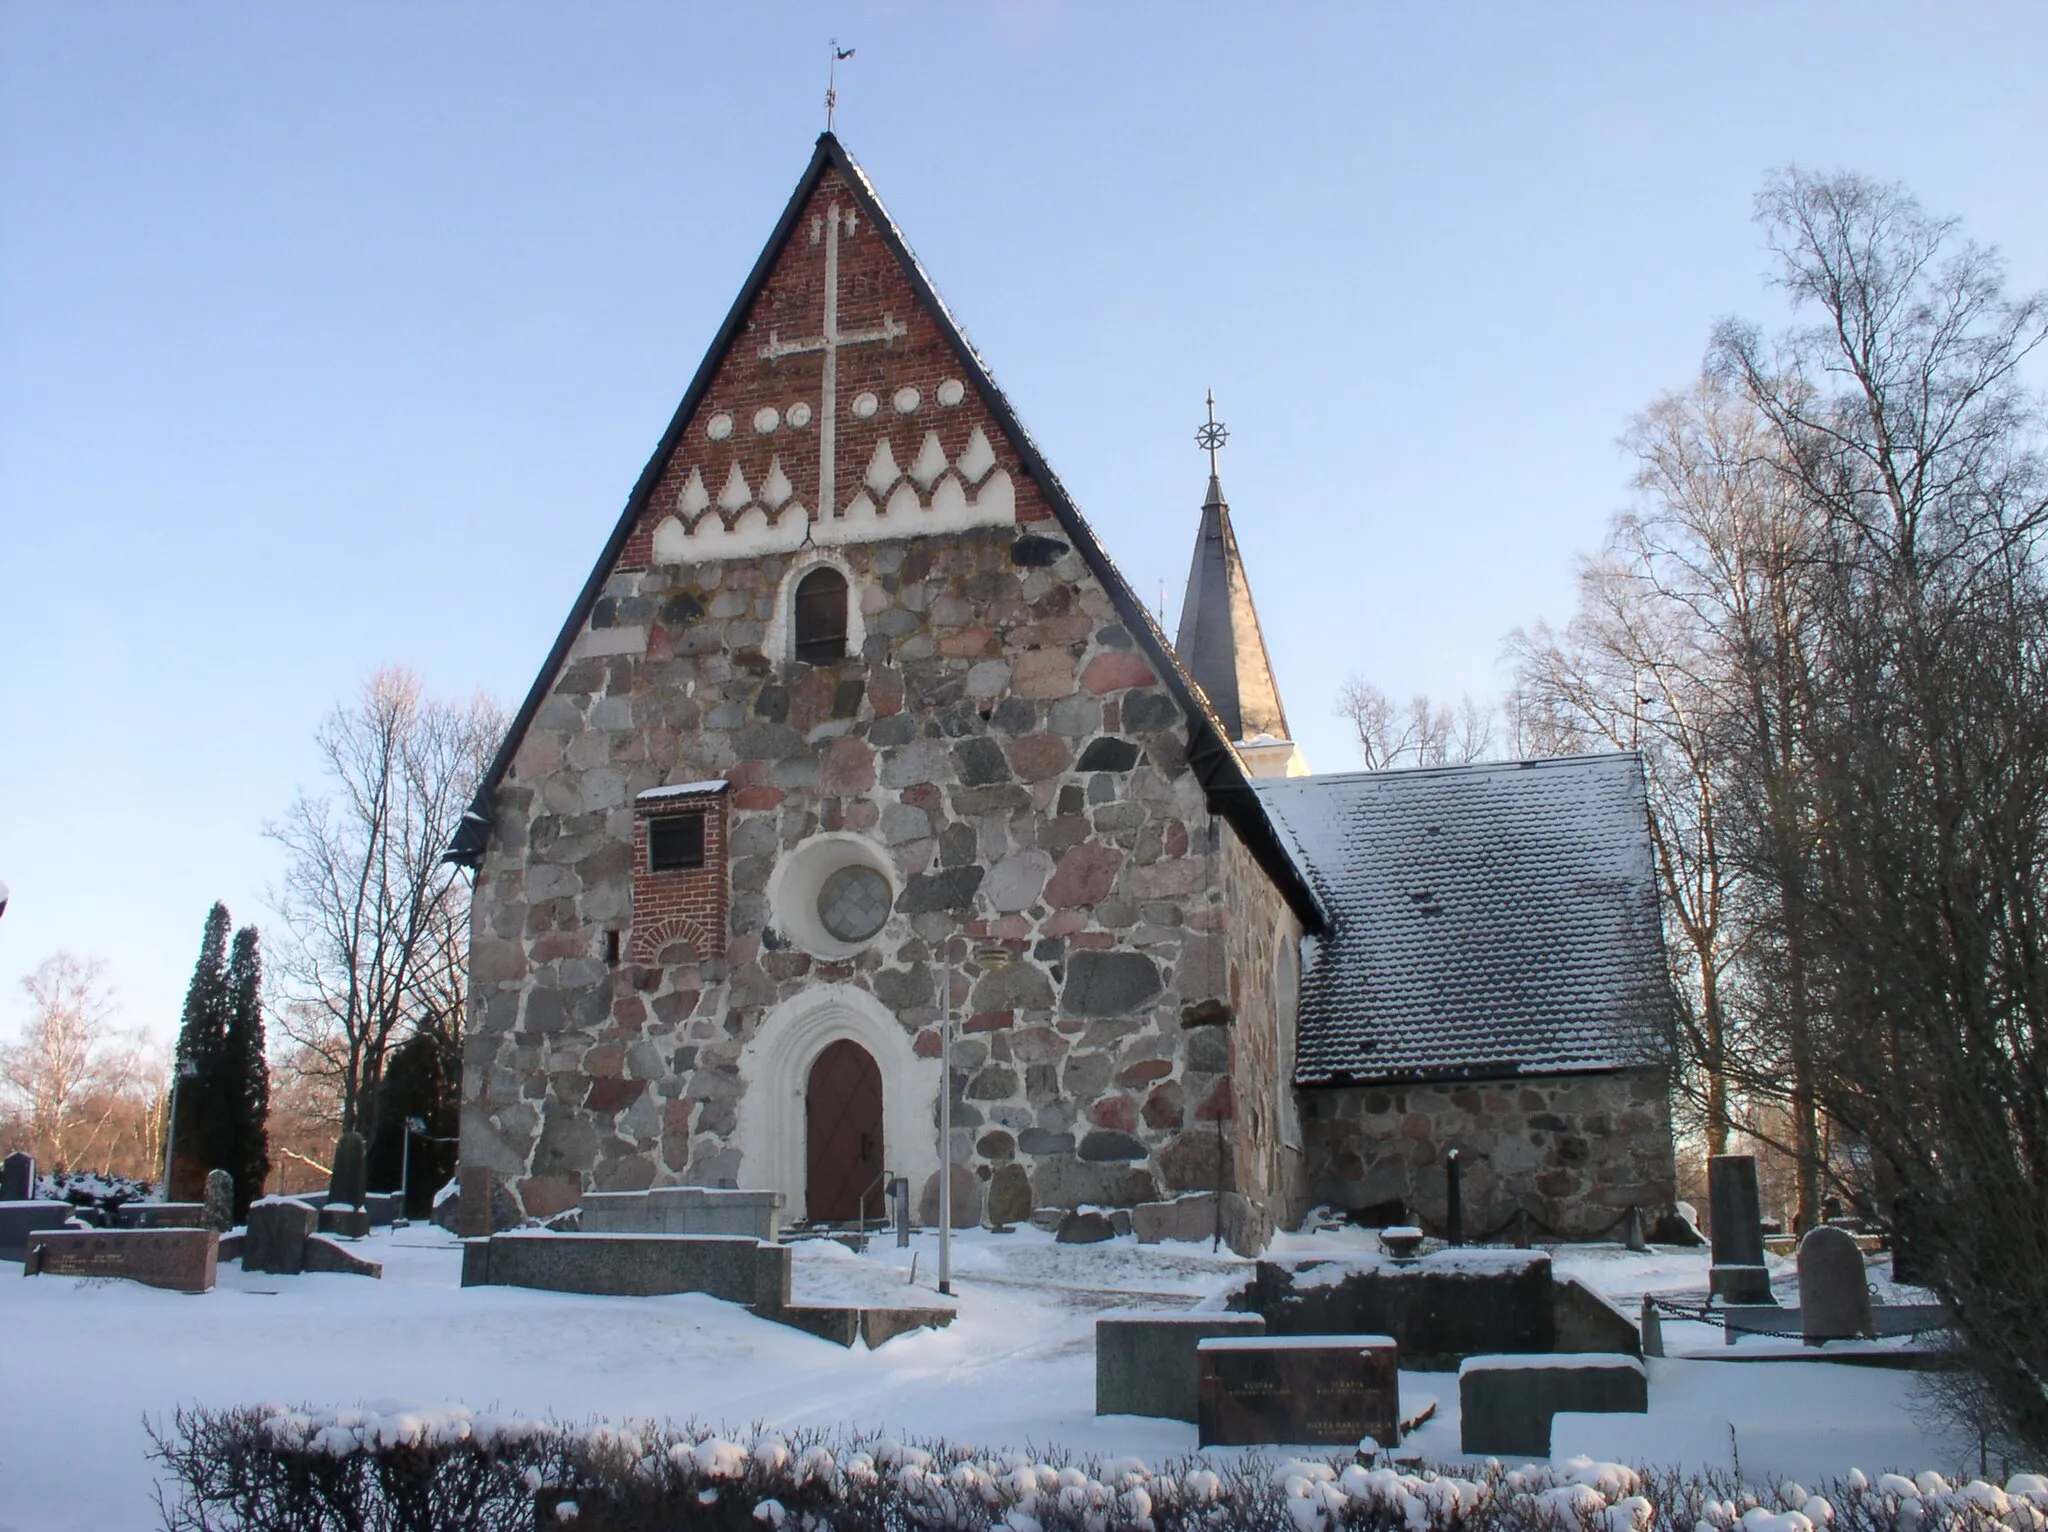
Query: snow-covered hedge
[
  {"x": 432, "y": 1471},
  {"x": 89, "y": 1189}
]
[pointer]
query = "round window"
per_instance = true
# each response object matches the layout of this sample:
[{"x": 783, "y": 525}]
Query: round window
[{"x": 853, "y": 903}]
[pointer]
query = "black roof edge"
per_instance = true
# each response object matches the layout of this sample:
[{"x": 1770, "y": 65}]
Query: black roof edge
[
  {"x": 1217, "y": 766},
  {"x": 467, "y": 849},
  {"x": 1500, "y": 1073}
]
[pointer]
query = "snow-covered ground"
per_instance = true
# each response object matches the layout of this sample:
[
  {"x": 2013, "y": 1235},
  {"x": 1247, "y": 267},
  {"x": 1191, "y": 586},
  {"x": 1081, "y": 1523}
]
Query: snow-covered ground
[{"x": 84, "y": 1362}]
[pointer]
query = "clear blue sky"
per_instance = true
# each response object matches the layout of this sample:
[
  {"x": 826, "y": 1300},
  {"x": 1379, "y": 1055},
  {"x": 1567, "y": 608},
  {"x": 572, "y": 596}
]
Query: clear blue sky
[{"x": 334, "y": 336}]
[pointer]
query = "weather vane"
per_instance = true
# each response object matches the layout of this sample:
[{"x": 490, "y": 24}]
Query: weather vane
[
  {"x": 832, "y": 81},
  {"x": 1213, "y": 435}
]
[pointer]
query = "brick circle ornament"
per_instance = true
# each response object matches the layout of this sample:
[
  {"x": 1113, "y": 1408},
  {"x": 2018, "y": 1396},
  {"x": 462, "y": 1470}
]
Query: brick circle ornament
[
  {"x": 766, "y": 419},
  {"x": 951, "y": 392},
  {"x": 865, "y": 405},
  {"x": 798, "y": 415},
  {"x": 718, "y": 427},
  {"x": 907, "y": 399}
]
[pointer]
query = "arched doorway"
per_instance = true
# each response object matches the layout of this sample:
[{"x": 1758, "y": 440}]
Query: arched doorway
[{"x": 843, "y": 1132}]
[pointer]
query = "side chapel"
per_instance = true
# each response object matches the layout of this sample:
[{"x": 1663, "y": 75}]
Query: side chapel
[{"x": 854, "y": 706}]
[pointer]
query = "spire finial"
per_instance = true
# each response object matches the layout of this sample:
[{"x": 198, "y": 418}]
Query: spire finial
[
  {"x": 1211, "y": 437},
  {"x": 832, "y": 81}
]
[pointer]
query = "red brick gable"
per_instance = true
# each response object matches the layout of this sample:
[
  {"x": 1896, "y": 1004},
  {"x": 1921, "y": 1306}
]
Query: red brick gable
[{"x": 764, "y": 410}]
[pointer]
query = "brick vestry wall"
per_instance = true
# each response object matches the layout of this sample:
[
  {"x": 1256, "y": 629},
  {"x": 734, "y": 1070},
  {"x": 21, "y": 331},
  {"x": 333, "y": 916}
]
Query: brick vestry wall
[{"x": 996, "y": 735}]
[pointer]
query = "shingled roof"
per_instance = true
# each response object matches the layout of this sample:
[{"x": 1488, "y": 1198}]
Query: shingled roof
[{"x": 1487, "y": 921}]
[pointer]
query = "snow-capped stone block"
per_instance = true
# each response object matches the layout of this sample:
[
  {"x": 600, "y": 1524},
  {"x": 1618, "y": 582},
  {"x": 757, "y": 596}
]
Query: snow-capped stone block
[{"x": 1506, "y": 1402}]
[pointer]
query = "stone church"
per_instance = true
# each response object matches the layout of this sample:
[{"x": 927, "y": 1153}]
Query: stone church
[{"x": 856, "y": 732}]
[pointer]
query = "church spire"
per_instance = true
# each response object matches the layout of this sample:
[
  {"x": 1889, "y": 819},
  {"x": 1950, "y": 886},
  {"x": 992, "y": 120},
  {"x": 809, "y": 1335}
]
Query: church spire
[{"x": 1219, "y": 640}]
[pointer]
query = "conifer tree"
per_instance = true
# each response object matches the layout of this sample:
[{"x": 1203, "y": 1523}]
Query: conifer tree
[
  {"x": 246, "y": 1074},
  {"x": 199, "y": 1105}
]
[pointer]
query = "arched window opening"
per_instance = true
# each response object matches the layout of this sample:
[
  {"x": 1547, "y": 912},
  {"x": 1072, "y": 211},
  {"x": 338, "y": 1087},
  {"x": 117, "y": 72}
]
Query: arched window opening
[{"x": 821, "y": 616}]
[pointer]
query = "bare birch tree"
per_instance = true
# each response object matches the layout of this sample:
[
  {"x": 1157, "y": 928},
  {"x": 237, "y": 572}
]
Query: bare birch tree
[
  {"x": 377, "y": 924},
  {"x": 79, "y": 1092},
  {"x": 1908, "y": 843},
  {"x": 1419, "y": 733}
]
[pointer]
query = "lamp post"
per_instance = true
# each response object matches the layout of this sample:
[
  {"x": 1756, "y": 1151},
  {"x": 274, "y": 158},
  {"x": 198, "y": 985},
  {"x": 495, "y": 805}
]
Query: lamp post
[
  {"x": 188, "y": 1069},
  {"x": 412, "y": 1125},
  {"x": 946, "y": 1130}
]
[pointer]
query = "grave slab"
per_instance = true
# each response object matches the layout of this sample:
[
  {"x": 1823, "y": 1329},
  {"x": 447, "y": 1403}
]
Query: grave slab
[
  {"x": 18, "y": 1220},
  {"x": 182, "y": 1260},
  {"x": 1310, "y": 1390},
  {"x": 685, "y": 1210},
  {"x": 1506, "y": 1402},
  {"x": 160, "y": 1215},
  {"x": 1145, "y": 1364},
  {"x": 326, "y": 1255},
  {"x": 632, "y": 1265},
  {"x": 348, "y": 1222}
]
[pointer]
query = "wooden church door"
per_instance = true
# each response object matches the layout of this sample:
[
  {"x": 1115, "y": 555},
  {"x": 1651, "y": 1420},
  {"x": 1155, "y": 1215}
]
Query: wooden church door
[{"x": 843, "y": 1118}]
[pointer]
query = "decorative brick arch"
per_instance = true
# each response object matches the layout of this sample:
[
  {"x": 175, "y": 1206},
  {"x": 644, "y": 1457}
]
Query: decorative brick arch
[{"x": 648, "y": 940}]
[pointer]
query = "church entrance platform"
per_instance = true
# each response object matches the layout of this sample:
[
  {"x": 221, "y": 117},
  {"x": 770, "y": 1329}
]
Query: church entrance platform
[{"x": 750, "y": 1272}]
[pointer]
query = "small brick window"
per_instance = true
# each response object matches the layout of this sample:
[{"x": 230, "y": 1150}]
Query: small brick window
[
  {"x": 820, "y": 616},
  {"x": 675, "y": 842},
  {"x": 679, "y": 876}
]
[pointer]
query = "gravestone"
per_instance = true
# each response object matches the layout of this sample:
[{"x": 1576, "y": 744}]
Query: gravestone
[
  {"x": 276, "y": 1240},
  {"x": 1192, "y": 1219},
  {"x": 182, "y": 1260},
  {"x": 160, "y": 1215},
  {"x": 1009, "y": 1196},
  {"x": 220, "y": 1201},
  {"x": 18, "y": 1177},
  {"x": 1145, "y": 1364},
  {"x": 1084, "y": 1226},
  {"x": 966, "y": 1200},
  {"x": 1310, "y": 1390},
  {"x": 1738, "y": 1274},
  {"x": 1834, "y": 1291},
  {"x": 348, "y": 1184},
  {"x": 18, "y": 1220},
  {"x": 1505, "y": 1403}
]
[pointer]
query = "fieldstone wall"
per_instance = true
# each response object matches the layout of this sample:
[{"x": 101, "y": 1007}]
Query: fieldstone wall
[
  {"x": 1576, "y": 1151},
  {"x": 1012, "y": 753},
  {"x": 1258, "y": 1093}
]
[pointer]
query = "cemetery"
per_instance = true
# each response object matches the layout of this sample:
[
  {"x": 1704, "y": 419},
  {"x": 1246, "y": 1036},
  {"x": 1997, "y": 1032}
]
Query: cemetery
[{"x": 1159, "y": 1348}]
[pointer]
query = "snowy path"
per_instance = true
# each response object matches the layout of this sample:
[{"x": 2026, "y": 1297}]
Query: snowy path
[{"x": 82, "y": 1363}]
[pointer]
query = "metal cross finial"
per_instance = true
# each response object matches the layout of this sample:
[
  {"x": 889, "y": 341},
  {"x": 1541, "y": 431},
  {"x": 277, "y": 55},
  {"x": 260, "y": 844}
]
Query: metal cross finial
[
  {"x": 1213, "y": 435},
  {"x": 832, "y": 81}
]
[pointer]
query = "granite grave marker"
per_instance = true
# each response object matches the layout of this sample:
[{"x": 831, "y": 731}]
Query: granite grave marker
[
  {"x": 18, "y": 1177},
  {"x": 1834, "y": 1290},
  {"x": 180, "y": 1259},
  {"x": 1738, "y": 1274},
  {"x": 1315, "y": 1390}
]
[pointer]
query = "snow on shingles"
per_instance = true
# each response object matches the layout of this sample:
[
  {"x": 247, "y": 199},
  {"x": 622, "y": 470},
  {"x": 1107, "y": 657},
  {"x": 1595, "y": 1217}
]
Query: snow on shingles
[{"x": 1487, "y": 921}]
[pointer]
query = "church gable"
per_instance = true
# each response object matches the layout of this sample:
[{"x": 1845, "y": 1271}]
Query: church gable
[
  {"x": 839, "y": 410},
  {"x": 853, "y": 694}
]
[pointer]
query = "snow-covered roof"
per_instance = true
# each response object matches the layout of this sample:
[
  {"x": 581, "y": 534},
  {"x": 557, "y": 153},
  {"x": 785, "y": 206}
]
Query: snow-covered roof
[
  {"x": 682, "y": 790},
  {"x": 1486, "y": 921}
]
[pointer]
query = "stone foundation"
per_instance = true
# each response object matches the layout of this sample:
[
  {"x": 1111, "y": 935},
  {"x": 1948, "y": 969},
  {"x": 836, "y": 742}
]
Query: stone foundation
[{"x": 1575, "y": 1152}]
